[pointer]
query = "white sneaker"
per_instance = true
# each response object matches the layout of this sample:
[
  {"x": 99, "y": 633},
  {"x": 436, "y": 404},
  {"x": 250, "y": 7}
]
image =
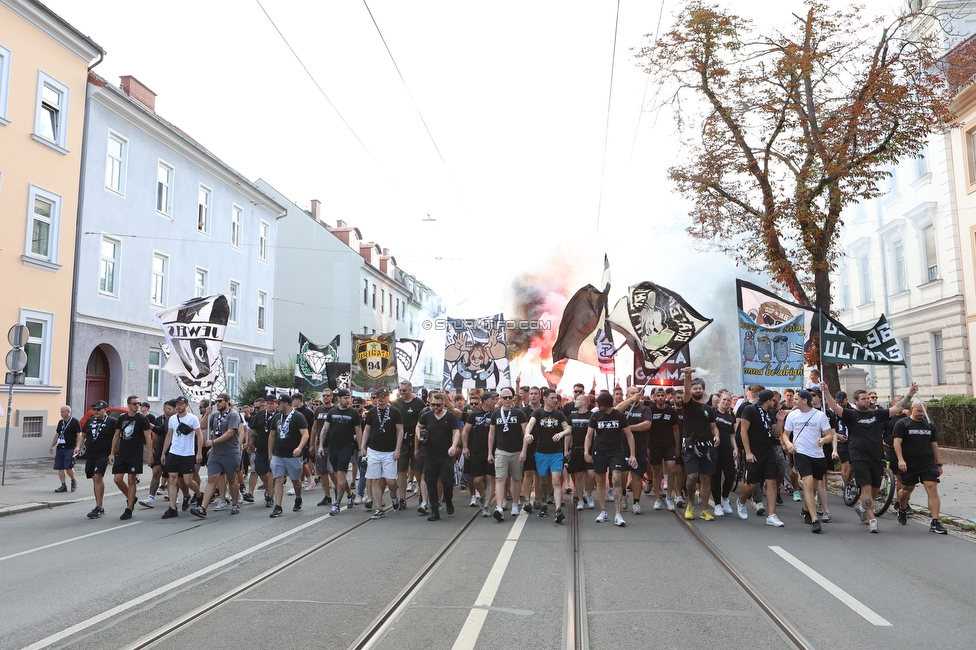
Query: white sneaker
[
  {"x": 760, "y": 509},
  {"x": 670, "y": 502},
  {"x": 579, "y": 504},
  {"x": 505, "y": 505},
  {"x": 148, "y": 502},
  {"x": 658, "y": 505},
  {"x": 358, "y": 499},
  {"x": 291, "y": 491},
  {"x": 221, "y": 505},
  {"x": 409, "y": 486},
  {"x": 743, "y": 509},
  {"x": 589, "y": 503},
  {"x": 474, "y": 502},
  {"x": 726, "y": 506},
  {"x": 515, "y": 510},
  {"x": 610, "y": 496},
  {"x": 719, "y": 512},
  {"x": 638, "y": 510},
  {"x": 619, "y": 521},
  {"x": 773, "y": 520},
  {"x": 602, "y": 517}
]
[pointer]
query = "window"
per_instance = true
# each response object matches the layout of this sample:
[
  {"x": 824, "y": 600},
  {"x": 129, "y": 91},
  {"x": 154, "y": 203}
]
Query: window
[
  {"x": 863, "y": 265},
  {"x": 845, "y": 289},
  {"x": 51, "y": 119},
  {"x": 382, "y": 301},
  {"x": 38, "y": 347},
  {"x": 260, "y": 368},
  {"x": 158, "y": 292},
  {"x": 262, "y": 309},
  {"x": 231, "y": 374},
  {"x": 892, "y": 181},
  {"x": 391, "y": 304},
  {"x": 107, "y": 276},
  {"x": 365, "y": 292},
  {"x": 899, "y": 278},
  {"x": 200, "y": 282},
  {"x": 235, "y": 290},
  {"x": 938, "y": 359},
  {"x": 115, "y": 163},
  {"x": 204, "y": 199},
  {"x": 155, "y": 365},
  {"x": 931, "y": 254},
  {"x": 374, "y": 296},
  {"x": 164, "y": 189},
  {"x": 4, "y": 82},
  {"x": 397, "y": 314},
  {"x": 43, "y": 225},
  {"x": 32, "y": 426},
  {"x": 263, "y": 241},
  {"x": 236, "y": 212},
  {"x": 922, "y": 163}
]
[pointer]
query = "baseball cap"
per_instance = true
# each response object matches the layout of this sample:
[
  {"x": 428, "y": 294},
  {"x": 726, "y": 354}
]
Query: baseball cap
[
  {"x": 805, "y": 394},
  {"x": 100, "y": 404},
  {"x": 813, "y": 390},
  {"x": 764, "y": 396},
  {"x": 182, "y": 400},
  {"x": 343, "y": 392},
  {"x": 383, "y": 390},
  {"x": 488, "y": 394}
]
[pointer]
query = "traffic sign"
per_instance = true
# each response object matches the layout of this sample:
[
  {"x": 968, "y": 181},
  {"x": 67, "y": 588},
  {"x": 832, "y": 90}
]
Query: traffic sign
[{"x": 18, "y": 335}]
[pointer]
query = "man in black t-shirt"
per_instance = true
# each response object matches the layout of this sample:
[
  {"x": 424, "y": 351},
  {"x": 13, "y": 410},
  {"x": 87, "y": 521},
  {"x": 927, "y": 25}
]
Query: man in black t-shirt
[
  {"x": 132, "y": 430},
  {"x": 916, "y": 444},
  {"x": 507, "y": 450},
  {"x": 607, "y": 435},
  {"x": 639, "y": 419},
  {"x": 439, "y": 434},
  {"x": 865, "y": 439},
  {"x": 663, "y": 442},
  {"x": 383, "y": 435},
  {"x": 98, "y": 430},
  {"x": 549, "y": 429},
  {"x": 408, "y": 467},
  {"x": 759, "y": 432},
  {"x": 699, "y": 447},
  {"x": 265, "y": 411},
  {"x": 65, "y": 447},
  {"x": 290, "y": 435},
  {"x": 342, "y": 428},
  {"x": 474, "y": 440},
  {"x": 158, "y": 438},
  {"x": 584, "y": 478}
]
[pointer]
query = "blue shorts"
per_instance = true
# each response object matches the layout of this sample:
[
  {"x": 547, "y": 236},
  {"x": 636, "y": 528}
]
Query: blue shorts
[
  {"x": 548, "y": 463},
  {"x": 340, "y": 459},
  {"x": 65, "y": 458}
]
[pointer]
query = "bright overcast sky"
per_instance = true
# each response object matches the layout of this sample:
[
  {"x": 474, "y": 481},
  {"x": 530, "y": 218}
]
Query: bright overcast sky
[{"x": 515, "y": 96}]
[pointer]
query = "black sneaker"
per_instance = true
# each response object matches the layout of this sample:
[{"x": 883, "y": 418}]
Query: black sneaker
[
  {"x": 197, "y": 511},
  {"x": 170, "y": 513},
  {"x": 249, "y": 497},
  {"x": 377, "y": 515},
  {"x": 544, "y": 511},
  {"x": 434, "y": 516},
  {"x": 63, "y": 488},
  {"x": 298, "y": 504},
  {"x": 126, "y": 514},
  {"x": 324, "y": 502},
  {"x": 527, "y": 507},
  {"x": 550, "y": 500},
  {"x": 187, "y": 502},
  {"x": 498, "y": 515},
  {"x": 909, "y": 510},
  {"x": 277, "y": 512},
  {"x": 816, "y": 527},
  {"x": 560, "y": 517},
  {"x": 807, "y": 519},
  {"x": 74, "y": 485},
  {"x": 779, "y": 498},
  {"x": 902, "y": 517},
  {"x": 94, "y": 513},
  {"x": 269, "y": 500},
  {"x": 449, "y": 505},
  {"x": 937, "y": 528}
]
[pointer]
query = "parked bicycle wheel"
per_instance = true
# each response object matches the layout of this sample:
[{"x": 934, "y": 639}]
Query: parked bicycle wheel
[
  {"x": 852, "y": 493},
  {"x": 887, "y": 492},
  {"x": 740, "y": 469}
]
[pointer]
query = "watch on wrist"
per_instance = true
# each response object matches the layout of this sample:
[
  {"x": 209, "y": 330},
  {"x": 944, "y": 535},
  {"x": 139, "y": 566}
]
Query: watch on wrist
[{"x": 938, "y": 464}]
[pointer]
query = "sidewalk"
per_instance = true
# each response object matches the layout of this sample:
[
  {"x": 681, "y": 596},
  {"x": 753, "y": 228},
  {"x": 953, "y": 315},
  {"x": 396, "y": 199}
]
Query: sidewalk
[{"x": 30, "y": 486}]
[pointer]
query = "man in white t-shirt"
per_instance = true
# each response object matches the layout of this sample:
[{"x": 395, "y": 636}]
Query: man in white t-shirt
[
  {"x": 810, "y": 430},
  {"x": 182, "y": 451}
]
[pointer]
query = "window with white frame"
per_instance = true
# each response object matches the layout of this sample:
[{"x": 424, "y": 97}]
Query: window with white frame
[
  {"x": 236, "y": 216},
  {"x": 155, "y": 366},
  {"x": 160, "y": 264},
  {"x": 365, "y": 292},
  {"x": 38, "y": 347},
  {"x": 204, "y": 200},
  {"x": 382, "y": 301},
  {"x": 115, "y": 163},
  {"x": 164, "y": 189},
  {"x": 864, "y": 268},
  {"x": 938, "y": 359},
  {"x": 200, "y": 282},
  {"x": 235, "y": 291},
  {"x": 263, "y": 236},
  {"x": 262, "y": 309},
  {"x": 845, "y": 288},
  {"x": 44, "y": 225},
  {"x": 931, "y": 253},
  {"x": 899, "y": 269},
  {"x": 108, "y": 267},
  {"x": 231, "y": 374},
  {"x": 373, "y": 296},
  {"x": 922, "y": 163},
  {"x": 51, "y": 118},
  {"x": 4, "y": 82}
]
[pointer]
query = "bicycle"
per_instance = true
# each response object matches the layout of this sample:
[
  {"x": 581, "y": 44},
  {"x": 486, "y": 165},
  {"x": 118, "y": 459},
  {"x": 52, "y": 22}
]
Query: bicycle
[
  {"x": 740, "y": 470},
  {"x": 886, "y": 494}
]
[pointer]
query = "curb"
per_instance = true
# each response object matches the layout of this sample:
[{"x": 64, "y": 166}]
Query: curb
[
  {"x": 834, "y": 486},
  {"x": 38, "y": 505}
]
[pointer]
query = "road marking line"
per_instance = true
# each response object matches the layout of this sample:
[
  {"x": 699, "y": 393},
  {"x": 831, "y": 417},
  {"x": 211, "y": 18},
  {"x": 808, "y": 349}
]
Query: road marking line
[
  {"x": 155, "y": 593},
  {"x": 866, "y": 612},
  {"x": 66, "y": 541},
  {"x": 476, "y": 618}
]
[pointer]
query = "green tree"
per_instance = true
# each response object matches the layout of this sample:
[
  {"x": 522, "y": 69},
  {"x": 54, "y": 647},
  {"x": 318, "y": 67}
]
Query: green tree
[
  {"x": 277, "y": 374},
  {"x": 781, "y": 132}
]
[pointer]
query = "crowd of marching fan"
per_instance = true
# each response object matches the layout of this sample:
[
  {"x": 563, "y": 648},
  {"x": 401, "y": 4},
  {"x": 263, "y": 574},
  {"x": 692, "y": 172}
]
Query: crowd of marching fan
[{"x": 517, "y": 450}]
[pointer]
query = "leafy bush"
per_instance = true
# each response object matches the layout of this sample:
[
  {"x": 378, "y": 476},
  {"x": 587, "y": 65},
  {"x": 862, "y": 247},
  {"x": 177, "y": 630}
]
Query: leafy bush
[
  {"x": 955, "y": 418},
  {"x": 277, "y": 374}
]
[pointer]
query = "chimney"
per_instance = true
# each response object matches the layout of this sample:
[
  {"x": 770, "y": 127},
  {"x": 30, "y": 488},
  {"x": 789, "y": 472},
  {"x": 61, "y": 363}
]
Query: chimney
[
  {"x": 317, "y": 210},
  {"x": 366, "y": 250},
  {"x": 139, "y": 92}
]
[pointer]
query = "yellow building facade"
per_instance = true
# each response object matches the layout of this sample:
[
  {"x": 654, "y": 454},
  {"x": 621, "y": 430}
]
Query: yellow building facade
[{"x": 44, "y": 64}]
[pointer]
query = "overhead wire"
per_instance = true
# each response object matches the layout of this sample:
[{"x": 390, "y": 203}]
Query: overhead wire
[
  {"x": 647, "y": 81},
  {"x": 606, "y": 130},
  {"x": 414, "y": 102}
]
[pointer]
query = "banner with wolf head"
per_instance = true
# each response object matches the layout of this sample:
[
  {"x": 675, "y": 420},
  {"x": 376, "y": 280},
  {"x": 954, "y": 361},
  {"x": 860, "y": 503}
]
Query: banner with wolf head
[
  {"x": 194, "y": 332},
  {"x": 311, "y": 363},
  {"x": 408, "y": 361},
  {"x": 374, "y": 363},
  {"x": 476, "y": 353},
  {"x": 771, "y": 355},
  {"x": 197, "y": 390},
  {"x": 657, "y": 322}
]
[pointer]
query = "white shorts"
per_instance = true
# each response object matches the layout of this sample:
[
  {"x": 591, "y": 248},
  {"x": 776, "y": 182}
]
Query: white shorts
[{"x": 380, "y": 464}]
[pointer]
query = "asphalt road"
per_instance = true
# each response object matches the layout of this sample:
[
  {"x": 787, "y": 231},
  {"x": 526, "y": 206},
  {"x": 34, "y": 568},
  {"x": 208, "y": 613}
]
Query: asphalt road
[{"x": 69, "y": 581}]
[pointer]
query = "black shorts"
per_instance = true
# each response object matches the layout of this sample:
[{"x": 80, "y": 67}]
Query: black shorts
[
  {"x": 641, "y": 466},
  {"x": 928, "y": 472},
  {"x": 829, "y": 454},
  {"x": 577, "y": 463},
  {"x": 262, "y": 464},
  {"x": 843, "y": 452},
  {"x": 867, "y": 472},
  {"x": 892, "y": 459},
  {"x": 765, "y": 468},
  {"x": 700, "y": 460},
  {"x": 657, "y": 454},
  {"x": 602, "y": 461},
  {"x": 807, "y": 466},
  {"x": 157, "y": 452},
  {"x": 96, "y": 466},
  {"x": 478, "y": 465},
  {"x": 529, "y": 464},
  {"x": 323, "y": 464},
  {"x": 128, "y": 464},
  {"x": 205, "y": 456},
  {"x": 340, "y": 459},
  {"x": 180, "y": 465}
]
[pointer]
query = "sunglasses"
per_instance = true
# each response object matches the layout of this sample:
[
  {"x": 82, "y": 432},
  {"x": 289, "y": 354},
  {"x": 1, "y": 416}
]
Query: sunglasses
[
  {"x": 578, "y": 392},
  {"x": 506, "y": 397}
]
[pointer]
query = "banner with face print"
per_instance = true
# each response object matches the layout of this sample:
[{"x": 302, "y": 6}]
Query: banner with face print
[
  {"x": 197, "y": 390},
  {"x": 476, "y": 354},
  {"x": 771, "y": 355},
  {"x": 194, "y": 333}
]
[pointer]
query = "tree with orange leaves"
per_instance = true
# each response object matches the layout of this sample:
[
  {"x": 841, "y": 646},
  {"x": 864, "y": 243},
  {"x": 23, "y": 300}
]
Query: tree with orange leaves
[{"x": 784, "y": 131}]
